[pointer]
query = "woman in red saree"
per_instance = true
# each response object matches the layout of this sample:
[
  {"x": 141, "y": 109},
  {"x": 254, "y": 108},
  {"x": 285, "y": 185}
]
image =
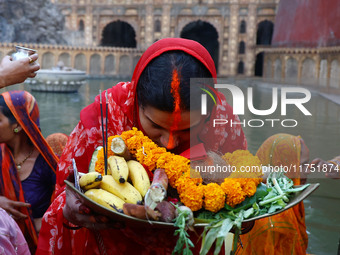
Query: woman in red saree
[
  {"x": 28, "y": 164},
  {"x": 154, "y": 80},
  {"x": 283, "y": 233}
]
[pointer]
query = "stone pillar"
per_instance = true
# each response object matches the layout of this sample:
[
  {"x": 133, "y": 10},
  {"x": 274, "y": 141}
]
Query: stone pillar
[
  {"x": 299, "y": 74},
  {"x": 166, "y": 21},
  {"x": 73, "y": 19},
  {"x": 251, "y": 41},
  {"x": 88, "y": 25},
  {"x": 149, "y": 23},
  {"x": 223, "y": 65},
  {"x": 233, "y": 37},
  {"x": 102, "y": 66}
]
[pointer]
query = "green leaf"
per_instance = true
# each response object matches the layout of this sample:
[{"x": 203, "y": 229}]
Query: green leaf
[
  {"x": 261, "y": 191},
  {"x": 274, "y": 208},
  {"x": 248, "y": 213},
  {"x": 209, "y": 240},
  {"x": 298, "y": 189},
  {"x": 248, "y": 202}
]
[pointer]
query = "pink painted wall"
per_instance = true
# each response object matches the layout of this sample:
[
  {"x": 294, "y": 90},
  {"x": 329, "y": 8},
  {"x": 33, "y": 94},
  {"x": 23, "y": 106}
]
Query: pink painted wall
[{"x": 307, "y": 23}]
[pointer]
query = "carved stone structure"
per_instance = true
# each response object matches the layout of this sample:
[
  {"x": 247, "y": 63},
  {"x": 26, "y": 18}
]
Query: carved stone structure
[
  {"x": 94, "y": 60},
  {"x": 234, "y": 27}
]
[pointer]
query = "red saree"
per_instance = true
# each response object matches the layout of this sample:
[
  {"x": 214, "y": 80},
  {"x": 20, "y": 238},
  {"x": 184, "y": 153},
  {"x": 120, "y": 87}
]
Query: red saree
[
  {"x": 283, "y": 233},
  {"x": 25, "y": 110},
  {"x": 56, "y": 239}
]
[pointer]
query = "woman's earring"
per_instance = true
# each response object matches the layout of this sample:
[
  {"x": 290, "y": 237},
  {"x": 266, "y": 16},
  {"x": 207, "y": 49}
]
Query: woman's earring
[{"x": 16, "y": 130}]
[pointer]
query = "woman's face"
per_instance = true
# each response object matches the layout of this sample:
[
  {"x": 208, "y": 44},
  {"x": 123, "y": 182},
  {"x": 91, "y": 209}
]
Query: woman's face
[
  {"x": 159, "y": 126},
  {"x": 6, "y": 128}
]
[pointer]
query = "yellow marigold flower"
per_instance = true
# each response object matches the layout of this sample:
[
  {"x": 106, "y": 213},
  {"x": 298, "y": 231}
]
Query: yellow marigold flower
[
  {"x": 234, "y": 192},
  {"x": 174, "y": 166},
  {"x": 247, "y": 165},
  {"x": 100, "y": 167},
  {"x": 185, "y": 178},
  {"x": 249, "y": 188},
  {"x": 214, "y": 197},
  {"x": 136, "y": 142},
  {"x": 149, "y": 154},
  {"x": 109, "y": 141},
  {"x": 192, "y": 196},
  {"x": 130, "y": 133}
]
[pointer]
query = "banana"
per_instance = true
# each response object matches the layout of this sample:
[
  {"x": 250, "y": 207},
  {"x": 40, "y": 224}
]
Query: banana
[
  {"x": 125, "y": 190},
  {"x": 138, "y": 176},
  {"x": 105, "y": 199},
  {"x": 119, "y": 148},
  {"x": 94, "y": 159},
  {"x": 119, "y": 168},
  {"x": 90, "y": 180}
]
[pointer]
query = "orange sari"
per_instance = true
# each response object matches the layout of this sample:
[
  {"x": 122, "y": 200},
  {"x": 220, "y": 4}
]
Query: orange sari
[{"x": 283, "y": 233}]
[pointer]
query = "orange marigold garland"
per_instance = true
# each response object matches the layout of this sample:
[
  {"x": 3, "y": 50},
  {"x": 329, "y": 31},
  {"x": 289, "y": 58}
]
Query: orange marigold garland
[{"x": 191, "y": 191}]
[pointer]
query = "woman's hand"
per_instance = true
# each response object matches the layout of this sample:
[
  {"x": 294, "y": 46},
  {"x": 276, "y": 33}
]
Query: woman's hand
[
  {"x": 13, "y": 72},
  {"x": 331, "y": 170},
  {"x": 80, "y": 215},
  {"x": 12, "y": 208}
]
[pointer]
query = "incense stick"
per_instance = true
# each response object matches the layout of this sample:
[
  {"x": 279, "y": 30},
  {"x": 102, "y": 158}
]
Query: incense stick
[
  {"x": 103, "y": 133},
  {"x": 106, "y": 121}
]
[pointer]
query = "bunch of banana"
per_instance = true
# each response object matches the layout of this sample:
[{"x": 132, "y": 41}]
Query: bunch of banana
[
  {"x": 125, "y": 190},
  {"x": 138, "y": 176},
  {"x": 90, "y": 180},
  {"x": 105, "y": 199},
  {"x": 113, "y": 190}
]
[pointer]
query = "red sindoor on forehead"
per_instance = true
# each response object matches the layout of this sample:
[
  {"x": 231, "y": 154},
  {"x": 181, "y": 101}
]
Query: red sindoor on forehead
[{"x": 175, "y": 91}]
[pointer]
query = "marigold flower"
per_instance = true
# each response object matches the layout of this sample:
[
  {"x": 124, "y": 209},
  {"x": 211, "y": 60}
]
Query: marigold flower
[
  {"x": 149, "y": 154},
  {"x": 233, "y": 190},
  {"x": 214, "y": 197},
  {"x": 174, "y": 166},
  {"x": 192, "y": 196}
]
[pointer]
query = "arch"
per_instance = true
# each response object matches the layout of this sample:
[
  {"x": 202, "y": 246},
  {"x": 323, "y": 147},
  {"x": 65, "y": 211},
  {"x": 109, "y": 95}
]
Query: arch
[
  {"x": 65, "y": 58},
  {"x": 259, "y": 64},
  {"x": 291, "y": 71},
  {"x": 323, "y": 73},
  {"x": 48, "y": 60},
  {"x": 204, "y": 33},
  {"x": 157, "y": 26},
  {"x": 308, "y": 73},
  {"x": 95, "y": 64},
  {"x": 243, "y": 27},
  {"x": 278, "y": 69},
  {"x": 240, "y": 67},
  {"x": 241, "y": 47},
  {"x": 334, "y": 76},
  {"x": 125, "y": 65},
  {"x": 110, "y": 64},
  {"x": 264, "y": 33},
  {"x": 119, "y": 34},
  {"x": 80, "y": 62},
  {"x": 81, "y": 26}
]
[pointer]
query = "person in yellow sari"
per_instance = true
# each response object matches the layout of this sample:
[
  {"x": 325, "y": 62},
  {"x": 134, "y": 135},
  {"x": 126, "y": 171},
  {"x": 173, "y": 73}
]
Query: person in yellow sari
[{"x": 283, "y": 233}]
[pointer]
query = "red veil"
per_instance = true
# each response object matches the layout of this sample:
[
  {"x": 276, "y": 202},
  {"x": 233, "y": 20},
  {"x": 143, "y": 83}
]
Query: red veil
[{"x": 122, "y": 108}]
